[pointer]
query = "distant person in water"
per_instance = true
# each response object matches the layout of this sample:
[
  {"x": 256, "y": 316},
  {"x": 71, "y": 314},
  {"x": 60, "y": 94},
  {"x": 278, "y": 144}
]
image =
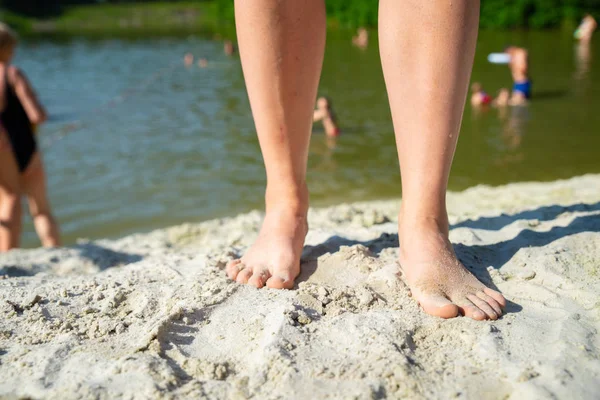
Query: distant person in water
[
  {"x": 361, "y": 39},
  {"x": 586, "y": 29},
  {"x": 478, "y": 96},
  {"x": 519, "y": 69},
  {"x": 188, "y": 59},
  {"x": 324, "y": 113},
  {"x": 21, "y": 169},
  {"x": 203, "y": 63},
  {"x": 502, "y": 98},
  {"x": 228, "y": 48}
]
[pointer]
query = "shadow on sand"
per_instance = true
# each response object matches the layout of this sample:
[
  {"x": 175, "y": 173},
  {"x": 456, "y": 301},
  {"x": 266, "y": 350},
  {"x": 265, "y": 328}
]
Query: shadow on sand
[
  {"x": 105, "y": 258},
  {"x": 477, "y": 257},
  {"x": 101, "y": 257}
]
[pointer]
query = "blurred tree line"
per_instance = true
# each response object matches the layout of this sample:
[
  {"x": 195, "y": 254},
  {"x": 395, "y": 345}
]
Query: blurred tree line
[
  {"x": 354, "y": 13},
  {"x": 494, "y": 13},
  {"x": 48, "y": 8}
]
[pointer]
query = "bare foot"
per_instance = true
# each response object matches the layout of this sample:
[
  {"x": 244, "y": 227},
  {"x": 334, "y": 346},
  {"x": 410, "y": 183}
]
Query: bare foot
[
  {"x": 437, "y": 280},
  {"x": 274, "y": 259}
]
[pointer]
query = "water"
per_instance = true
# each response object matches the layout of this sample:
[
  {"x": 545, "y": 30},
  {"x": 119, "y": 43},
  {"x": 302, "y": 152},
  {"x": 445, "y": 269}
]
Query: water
[{"x": 179, "y": 144}]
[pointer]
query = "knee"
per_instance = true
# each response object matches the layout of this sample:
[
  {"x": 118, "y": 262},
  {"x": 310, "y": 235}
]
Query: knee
[
  {"x": 10, "y": 209},
  {"x": 36, "y": 211}
]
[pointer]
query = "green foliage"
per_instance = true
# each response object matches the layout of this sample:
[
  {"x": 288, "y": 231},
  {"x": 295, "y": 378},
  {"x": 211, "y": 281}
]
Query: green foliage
[
  {"x": 495, "y": 14},
  {"x": 18, "y": 22},
  {"x": 535, "y": 14},
  {"x": 218, "y": 15},
  {"x": 36, "y": 8},
  {"x": 353, "y": 13}
]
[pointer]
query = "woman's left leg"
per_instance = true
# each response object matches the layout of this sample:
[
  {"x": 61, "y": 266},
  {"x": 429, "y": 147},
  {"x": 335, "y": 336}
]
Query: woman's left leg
[{"x": 427, "y": 50}]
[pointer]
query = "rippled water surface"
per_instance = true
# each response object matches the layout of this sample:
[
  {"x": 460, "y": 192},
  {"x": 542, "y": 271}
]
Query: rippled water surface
[{"x": 159, "y": 144}]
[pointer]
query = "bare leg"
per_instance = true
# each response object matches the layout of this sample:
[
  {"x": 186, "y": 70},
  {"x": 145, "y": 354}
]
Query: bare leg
[
  {"x": 427, "y": 50},
  {"x": 34, "y": 185},
  {"x": 10, "y": 197},
  {"x": 281, "y": 47}
]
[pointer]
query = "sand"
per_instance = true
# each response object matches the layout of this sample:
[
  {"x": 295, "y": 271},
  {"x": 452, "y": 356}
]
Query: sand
[{"x": 153, "y": 315}]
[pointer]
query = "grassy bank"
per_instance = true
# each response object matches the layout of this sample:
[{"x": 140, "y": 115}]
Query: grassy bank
[{"x": 157, "y": 18}]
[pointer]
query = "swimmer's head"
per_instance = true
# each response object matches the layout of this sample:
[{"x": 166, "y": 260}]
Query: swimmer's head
[
  {"x": 476, "y": 87},
  {"x": 323, "y": 102},
  {"x": 503, "y": 96},
  {"x": 228, "y": 47},
  {"x": 188, "y": 59},
  {"x": 8, "y": 42}
]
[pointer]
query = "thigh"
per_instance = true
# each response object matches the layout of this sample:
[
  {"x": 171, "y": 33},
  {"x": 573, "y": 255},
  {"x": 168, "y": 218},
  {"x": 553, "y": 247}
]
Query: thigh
[
  {"x": 9, "y": 169},
  {"x": 33, "y": 183}
]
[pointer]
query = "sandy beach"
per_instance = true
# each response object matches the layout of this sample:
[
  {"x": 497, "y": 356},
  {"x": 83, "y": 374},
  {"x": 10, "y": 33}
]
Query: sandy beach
[{"x": 154, "y": 316}]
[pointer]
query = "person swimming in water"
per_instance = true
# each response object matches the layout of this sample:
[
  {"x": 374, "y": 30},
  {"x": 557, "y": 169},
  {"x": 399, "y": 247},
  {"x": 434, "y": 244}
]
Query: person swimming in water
[
  {"x": 202, "y": 62},
  {"x": 228, "y": 48},
  {"x": 361, "y": 40},
  {"x": 478, "y": 96},
  {"x": 586, "y": 29},
  {"x": 324, "y": 112},
  {"x": 188, "y": 59},
  {"x": 21, "y": 169},
  {"x": 519, "y": 68},
  {"x": 502, "y": 98}
]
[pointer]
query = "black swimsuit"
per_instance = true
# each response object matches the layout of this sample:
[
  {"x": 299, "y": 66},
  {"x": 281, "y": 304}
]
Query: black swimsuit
[{"x": 18, "y": 127}]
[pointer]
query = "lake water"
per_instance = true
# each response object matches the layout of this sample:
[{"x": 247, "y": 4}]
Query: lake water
[{"x": 159, "y": 144}]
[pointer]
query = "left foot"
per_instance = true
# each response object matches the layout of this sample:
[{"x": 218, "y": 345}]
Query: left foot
[{"x": 437, "y": 279}]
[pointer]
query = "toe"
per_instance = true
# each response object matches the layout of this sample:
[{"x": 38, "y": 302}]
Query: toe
[
  {"x": 258, "y": 279},
  {"x": 470, "y": 310},
  {"x": 496, "y": 296},
  {"x": 438, "y": 306},
  {"x": 483, "y": 306},
  {"x": 277, "y": 282},
  {"x": 244, "y": 275},
  {"x": 233, "y": 268},
  {"x": 493, "y": 303}
]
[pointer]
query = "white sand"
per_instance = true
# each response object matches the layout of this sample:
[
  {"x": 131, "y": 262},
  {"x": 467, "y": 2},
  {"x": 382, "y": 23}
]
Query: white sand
[{"x": 153, "y": 316}]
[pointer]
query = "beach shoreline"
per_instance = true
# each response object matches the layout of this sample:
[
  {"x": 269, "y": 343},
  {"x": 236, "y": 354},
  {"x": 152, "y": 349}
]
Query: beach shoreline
[{"x": 153, "y": 315}]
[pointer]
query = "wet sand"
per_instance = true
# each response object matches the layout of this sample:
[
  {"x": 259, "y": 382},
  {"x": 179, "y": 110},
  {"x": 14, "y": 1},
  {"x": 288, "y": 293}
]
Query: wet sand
[{"x": 153, "y": 315}]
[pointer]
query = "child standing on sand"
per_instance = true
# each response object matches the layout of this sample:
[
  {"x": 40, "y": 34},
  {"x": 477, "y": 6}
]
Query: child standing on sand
[{"x": 21, "y": 169}]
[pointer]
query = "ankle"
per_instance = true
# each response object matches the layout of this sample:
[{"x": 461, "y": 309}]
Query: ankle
[
  {"x": 287, "y": 198},
  {"x": 422, "y": 220}
]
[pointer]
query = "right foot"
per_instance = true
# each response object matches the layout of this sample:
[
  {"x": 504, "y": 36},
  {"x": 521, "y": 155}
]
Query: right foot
[{"x": 274, "y": 259}]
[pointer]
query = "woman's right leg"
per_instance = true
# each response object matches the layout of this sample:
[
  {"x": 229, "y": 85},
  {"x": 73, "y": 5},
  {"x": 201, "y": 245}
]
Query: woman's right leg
[
  {"x": 281, "y": 46},
  {"x": 33, "y": 183},
  {"x": 10, "y": 197}
]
